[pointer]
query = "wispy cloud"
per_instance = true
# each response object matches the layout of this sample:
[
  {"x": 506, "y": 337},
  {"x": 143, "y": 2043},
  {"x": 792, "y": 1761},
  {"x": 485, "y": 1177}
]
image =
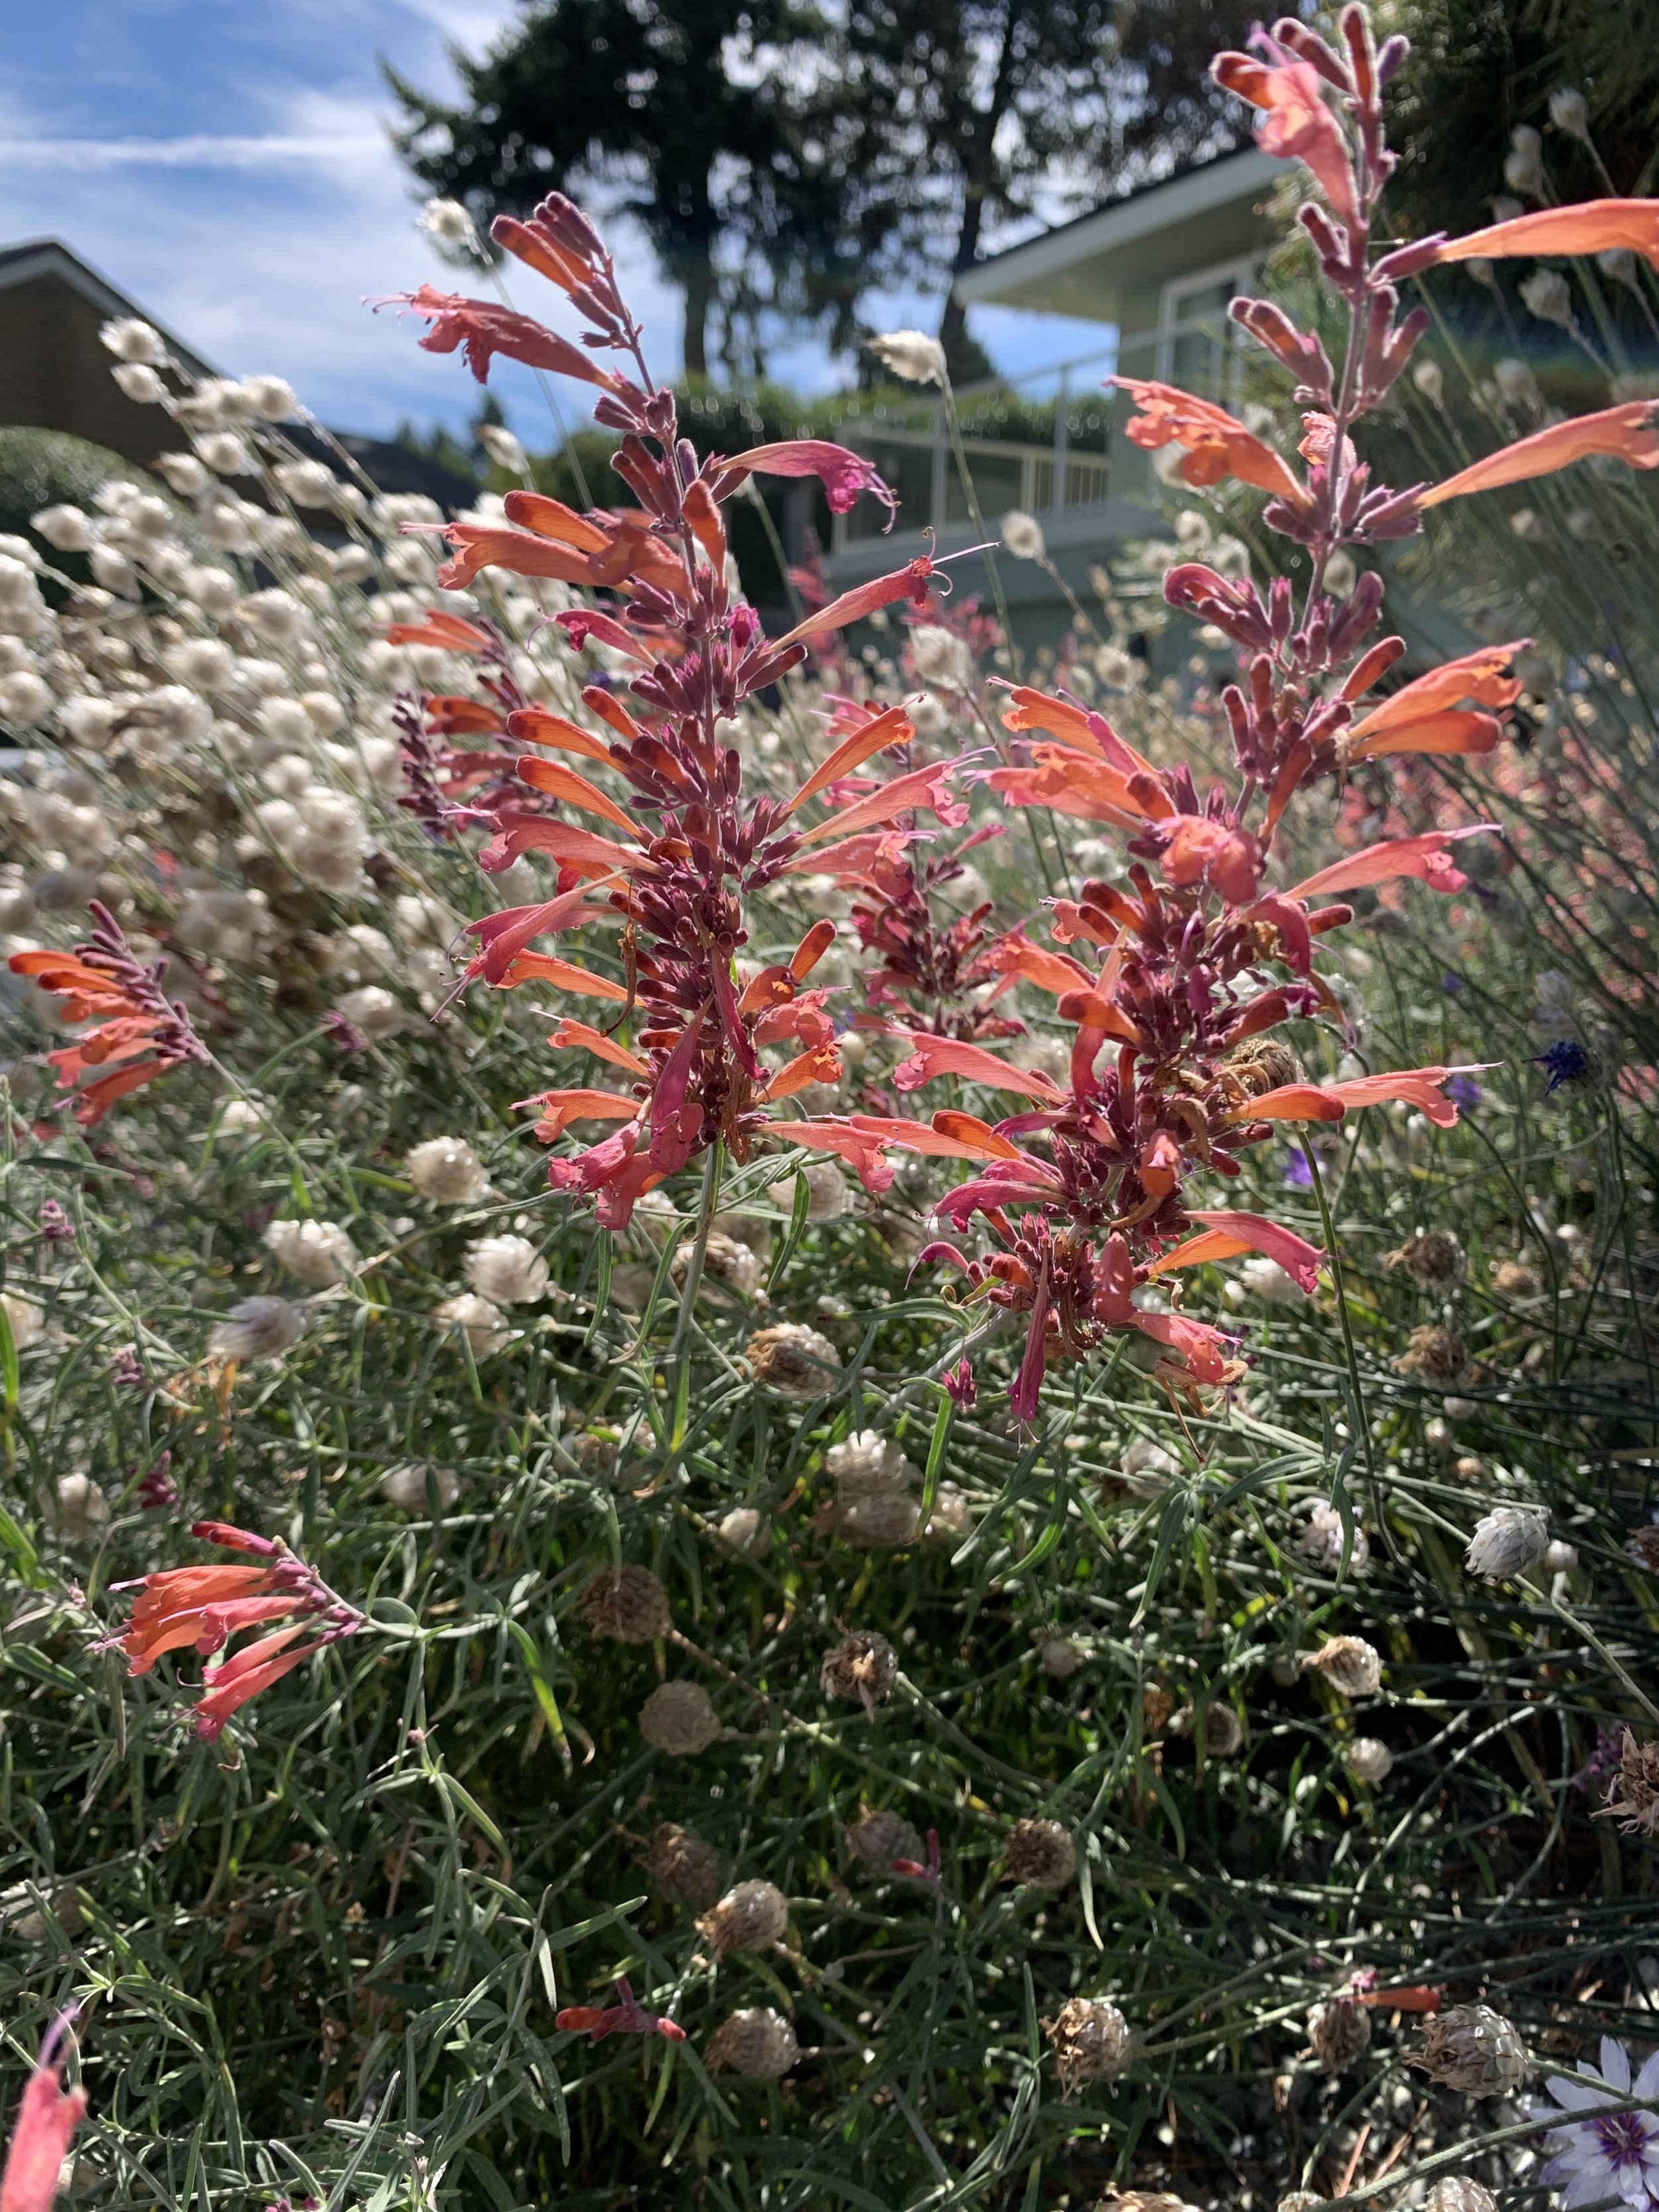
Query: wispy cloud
[{"x": 196, "y": 151}]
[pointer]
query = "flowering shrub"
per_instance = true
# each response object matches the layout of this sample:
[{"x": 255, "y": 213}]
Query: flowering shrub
[{"x": 792, "y": 1558}]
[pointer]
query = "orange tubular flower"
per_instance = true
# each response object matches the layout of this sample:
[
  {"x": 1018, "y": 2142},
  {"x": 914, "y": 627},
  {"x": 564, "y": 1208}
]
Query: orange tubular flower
[
  {"x": 1217, "y": 444},
  {"x": 138, "y": 1032},
  {"x": 201, "y": 1608},
  {"x": 1426, "y": 716},
  {"x": 1294, "y": 122},
  {"x": 1591, "y": 227},
  {"x": 1628, "y": 433}
]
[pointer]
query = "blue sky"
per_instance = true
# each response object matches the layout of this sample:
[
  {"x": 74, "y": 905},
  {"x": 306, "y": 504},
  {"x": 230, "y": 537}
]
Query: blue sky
[{"x": 225, "y": 162}]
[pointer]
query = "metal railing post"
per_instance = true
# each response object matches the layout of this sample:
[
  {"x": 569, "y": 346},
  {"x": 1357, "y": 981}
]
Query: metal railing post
[{"x": 1062, "y": 434}]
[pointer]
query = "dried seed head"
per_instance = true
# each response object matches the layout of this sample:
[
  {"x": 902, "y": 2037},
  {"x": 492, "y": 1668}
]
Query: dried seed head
[
  {"x": 1299, "y": 2200},
  {"x": 446, "y": 1170},
  {"x": 750, "y": 1915},
  {"x": 1434, "y": 1355},
  {"x": 756, "y": 2043},
  {"x": 1321, "y": 1538},
  {"x": 727, "y": 1260},
  {"x": 868, "y": 1463},
  {"x": 876, "y": 1839},
  {"x": 681, "y": 1866},
  {"x": 1260, "y": 1064},
  {"x": 1643, "y": 1545},
  {"x": 1514, "y": 1280},
  {"x": 1338, "y": 2029},
  {"x": 1090, "y": 2040},
  {"x": 863, "y": 1666},
  {"x": 1459, "y": 2192},
  {"x": 1156, "y": 1704},
  {"x": 1634, "y": 1792},
  {"x": 1058, "y": 1657},
  {"x": 1369, "y": 1759},
  {"x": 680, "y": 1717},
  {"x": 1433, "y": 1257},
  {"x": 1474, "y": 2049},
  {"x": 881, "y": 1521},
  {"x": 1350, "y": 1666},
  {"x": 257, "y": 1328},
  {"x": 1040, "y": 1854},
  {"x": 790, "y": 1361},
  {"x": 627, "y": 1603},
  {"x": 1508, "y": 1541}
]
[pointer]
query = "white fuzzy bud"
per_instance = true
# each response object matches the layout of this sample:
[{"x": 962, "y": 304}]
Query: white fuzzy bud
[
  {"x": 507, "y": 1270},
  {"x": 1548, "y": 295},
  {"x": 447, "y": 1171},
  {"x": 315, "y": 1253},
  {"x": 67, "y": 528},
  {"x": 1509, "y": 1540},
  {"x": 407, "y": 1487},
  {"x": 24, "y": 1318},
  {"x": 1569, "y": 112},
  {"x": 272, "y": 397},
  {"x": 1022, "y": 534},
  {"x": 911, "y": 355},
  {"x": 448, "y": 220},
  {"x": 483, "y": 1325},
  {"x": 130, "y": 339},
  {"x": 80, "y": 1510},
  {"x": 502, "y": 448},
  {"x": 1369, "y": 1759},
  {"x": 257, "y": 1328},
  {"x": 140, "y": 383},
  {"x": 25, "y": 699}
]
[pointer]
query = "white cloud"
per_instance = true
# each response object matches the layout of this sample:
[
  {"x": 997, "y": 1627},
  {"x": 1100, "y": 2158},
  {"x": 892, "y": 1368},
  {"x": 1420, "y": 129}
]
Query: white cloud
[{"x": 198, "y": 151}]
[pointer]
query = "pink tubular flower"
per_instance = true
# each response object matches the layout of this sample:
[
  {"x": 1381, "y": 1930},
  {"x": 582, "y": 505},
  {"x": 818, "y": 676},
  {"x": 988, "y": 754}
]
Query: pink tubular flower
[
  {"x": 626, "y": 2017},
  {"x": 202, "y": 1608},
  {"x": 844, "y": 474},
  {"x": 1216, "y": 444},
  {"x": 1295, "y": 122},
  {"x": 47, "y": 2116},
  {"x": 484, "y": 328}
]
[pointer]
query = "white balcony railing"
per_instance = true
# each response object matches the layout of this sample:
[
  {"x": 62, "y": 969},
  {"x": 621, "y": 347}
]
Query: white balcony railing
[{"x": 1044, "y": 480}]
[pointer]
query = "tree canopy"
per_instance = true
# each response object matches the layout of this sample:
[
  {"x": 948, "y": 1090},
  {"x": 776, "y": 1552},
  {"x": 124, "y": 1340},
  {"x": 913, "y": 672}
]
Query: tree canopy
[{"x": 785, "y": 162}]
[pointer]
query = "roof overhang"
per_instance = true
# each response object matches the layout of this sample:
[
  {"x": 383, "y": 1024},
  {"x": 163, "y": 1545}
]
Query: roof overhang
[
  {"x": 49, "y": 256},
  {"x": 1193, "y": 221}
]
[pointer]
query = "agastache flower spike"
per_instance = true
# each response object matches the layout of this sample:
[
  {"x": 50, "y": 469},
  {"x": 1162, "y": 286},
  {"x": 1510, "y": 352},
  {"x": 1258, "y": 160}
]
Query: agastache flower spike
[
  {"x": 47, "y": 2116},
  {"x": 138, "y": 1032},
  {"x": 202, "y": 1608}
]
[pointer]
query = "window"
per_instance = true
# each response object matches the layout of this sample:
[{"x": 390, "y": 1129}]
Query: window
[{"x": 1196, "y": 347}]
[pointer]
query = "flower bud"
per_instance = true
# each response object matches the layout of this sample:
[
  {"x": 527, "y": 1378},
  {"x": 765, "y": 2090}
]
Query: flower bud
[
  {"x": 876, "y": 1839},
  {"x": 446, "y": 1170},
  {"x": 1040, "y": 1854},
  {"x": 1338, "y": 2029},
  {"x": 315, "y": 1253},
  {"x": 790, "y": 1360},
  {"x": 862, "y": 1668},
  {"x": 911, "y": 355},
  {"x": 681, "y": 1867},
  {"x": 680, "y": 1717},
  {"x": 483, "y": 1325},
  {"x": 1569, "y": 112},
  {"x": 756, "y": 2043},
  {"x": 1509, "y": 1540},
  {"x": 508, "y": 1271},
  {"x": 628, "y": 1603},
  {"x": 1473, "y": 2049},
  {"x": 1369, "y": 1759},
  {"x": 1090, "y": 2040},
  {"x": 257, "y": 1328},
  {"x": 750, "y": 1916},
  {"x": 1459, "y": 2192},
  {"x": 1352, "y": 1667}
]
